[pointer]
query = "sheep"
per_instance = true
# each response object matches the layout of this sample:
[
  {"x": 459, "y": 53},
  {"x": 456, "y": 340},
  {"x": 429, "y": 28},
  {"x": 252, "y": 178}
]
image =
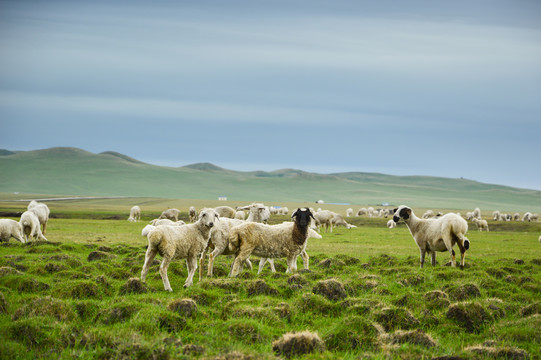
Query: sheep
[
  {"x": 179, "y": 242},
  {"x": 516, "y": 216},
  {"x": 477, "y": 213},
  {"x": 428, "y": 214},
  {"x": 10, "y": 229},
  {"x": 171, "y": 214},
  {"x": 240, "y": 215},
  {"x": 225, "y": 212},
  {"x": 391, "y": 224},
  {"x": 349, "y": 212},
  {"x": 338, "y": 220},
  {"x": 42, "y": 212},
  {"x": 160, "y": 222},
  {"x": 271, "y": 241},
  {"x": 534, "y": 217},
  {"x": 192, "y": 213},
  {"x": 284, "y": 210},
  {"x": 30, "y": 226},
  {"x": 527, "y": 216},
  {"x": 469, "y": 215},
  {"x": 135, "y": 214},
  {"x": 323, "y": 218},
  {"x": 481, "y": 224},
  {"x": 496, "y": 215},
  {"x": 362, "y": 211},
  {"x": 436, "y": 234},
  {"x": 257, "y": 212}
]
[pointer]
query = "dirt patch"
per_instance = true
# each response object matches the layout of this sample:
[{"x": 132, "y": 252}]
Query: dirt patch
[
  {"x": 3, "y": 304},
  {"x": 332, "y": 289},
  {"x": 395, "y": 318},
  {"x": 170, "y": 322},
  {"x": 353, "y": 333},
  {"x": 534, "y": 308},
  {"x": 436, "y": 300},
  {"x": 8, "y": 270},
  {"x": 100, "y": 255},
  {"x": 331, "y": 264},
  {"x": 495, "y": 352},
  {"x": 117, "y": 314},
  {"x": 472, "y": 316},
  {"x": 245, "y": 331},
  {"x": 464, "y": 292},
  {"x": 183, "y": 307},
  {"x": 133, "y": 286},
  {"x": 296, "y": 344},
  {"x": 192, "y": 349},
  {"x": 260, "y": 287}
]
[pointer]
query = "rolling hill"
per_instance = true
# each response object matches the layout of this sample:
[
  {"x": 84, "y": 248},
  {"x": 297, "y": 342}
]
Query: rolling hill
[{"x": 75, "y": 172}]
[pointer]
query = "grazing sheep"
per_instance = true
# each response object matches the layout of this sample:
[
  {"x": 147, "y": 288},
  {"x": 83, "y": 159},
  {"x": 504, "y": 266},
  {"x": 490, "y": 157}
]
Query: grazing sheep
[
  {"x": 527, "y": 216},
  {"x": 477, "y": 213},
  {"x": 179, "y": 242},
  {"x": 225, "y": 212},
  {"x": 534, "y": 217},
  {"x": 42, "y": 212},
  {"x": 481, "y": 224},
  {"x": 362, "y": 211},
  {"x": 171, "y": 214},
  {"x": 135, "y": 214},
  {"x": 161, "y": 222},
  {"x": 391, "y": 224},
  {"x": 349, "y": 212},
  {"x": 192, "y": 213},
  {"x": 240, "y": 215},
  {"x": 30, "y": 226},
  {"x": 338, "y": 220},
  {"x": 10, "y": 229},
  {"x": 469, "y": 215},
  {"x": 516, "y": 216},
  {"x": 436, "y": 234},
  {"x": 284, "y": 210},
  {"x": 428, "y": 214},
  {"x": 323, "y": 218},
  {"x": 271, "y": 241},
  {"x": 496, "y": 215}
]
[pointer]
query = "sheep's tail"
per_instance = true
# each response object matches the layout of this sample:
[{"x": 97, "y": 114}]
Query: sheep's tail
[{"x": 155, "y": 237}]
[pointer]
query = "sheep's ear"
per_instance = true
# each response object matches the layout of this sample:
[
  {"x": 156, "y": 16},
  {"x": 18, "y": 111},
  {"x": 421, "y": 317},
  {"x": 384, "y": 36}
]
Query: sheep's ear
[
  {"x": 295, "y": 213},
  {"x": 217, "y": 217},
  {"x": 394, "y": 210}
]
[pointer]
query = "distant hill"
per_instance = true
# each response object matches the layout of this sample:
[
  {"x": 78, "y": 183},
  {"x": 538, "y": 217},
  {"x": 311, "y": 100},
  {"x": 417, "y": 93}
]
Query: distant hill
[{"x": 72, "y": 171}]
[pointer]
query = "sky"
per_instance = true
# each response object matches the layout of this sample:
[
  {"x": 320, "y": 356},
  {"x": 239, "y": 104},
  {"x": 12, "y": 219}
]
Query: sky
[{"x": 436, "y": 88}]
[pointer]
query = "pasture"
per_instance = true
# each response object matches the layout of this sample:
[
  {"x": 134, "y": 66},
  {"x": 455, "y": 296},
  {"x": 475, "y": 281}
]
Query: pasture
[{"x": 364, "y": 294}]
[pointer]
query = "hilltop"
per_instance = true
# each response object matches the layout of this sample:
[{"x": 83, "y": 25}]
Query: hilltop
[{"x": 72, "y": 171}]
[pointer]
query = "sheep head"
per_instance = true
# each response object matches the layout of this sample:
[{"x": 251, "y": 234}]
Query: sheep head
[
  {"x": 302, "y": 216},
  {"x": 208, "y": 216},
  {"x": 402, "y": 212}
]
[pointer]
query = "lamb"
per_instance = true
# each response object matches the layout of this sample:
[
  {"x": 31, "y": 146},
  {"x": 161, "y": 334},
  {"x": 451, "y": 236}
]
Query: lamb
[
  {"x": 225, "y": 212},
  {"x": 481, "y": 224},
  {"x": 171, "y": 214},
  {"x": 439, "y": 234},
  {"x": 391, "y": 224},
  {"x": 323, "y": 218},
  {"x": 42, "y": 212},
  {"x": 179, "y": 242},
  {"x": 135, "y": 214},
  {"x": 271, "y": 241},
  {"x": 10, "y": 229},
  {"x": 30, "y": 226},
  {"x": 192, "y": 213}
]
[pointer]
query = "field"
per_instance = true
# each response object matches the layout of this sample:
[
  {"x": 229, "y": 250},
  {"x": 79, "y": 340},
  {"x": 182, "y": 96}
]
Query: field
[{"x": 364, "y": 295}]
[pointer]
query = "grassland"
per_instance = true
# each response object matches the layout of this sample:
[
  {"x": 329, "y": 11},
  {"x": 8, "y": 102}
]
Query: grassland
[
  {"x": 364, "y": 295},
  {"x": 69, "y": 171}
]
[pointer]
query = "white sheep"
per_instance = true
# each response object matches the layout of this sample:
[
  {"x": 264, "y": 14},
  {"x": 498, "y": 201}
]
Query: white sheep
[
  {"x": 428, "y": 214},
  {"x": 271, "y": 241},
  {"x": 496, "y": 215},
  {"x": 516, "y": 216},
  {"x": 323, "y": 218},
  {"x": 439, "y": 234},
  {"x": 240, "y": 215},
  {"x": 30, "y": 226},
  {"x": 477, "y": 213},
  {"x": 171, "y": 214},
  {"x": 338, "y": 220},
  {"x": 534, "y": 217},
  {"x": 481, "y": 224},
  {"x": 135, "y": 214},
  {"x": 10, "y": 229},
  {"x": 349, "y": 212},
  {"x": 225, "y": 212},
  {"x": 391, "y": 224},
  {"x": 527, "y": 216},
  {"x": 257, "y": 212},
  {"x": 362, "y": 211},
  {"x": 160, "y": 222},
  {"x": 42, "y": 212},
  {"x": 192, "y": 213},
  {"x": 179, "y": 242}
]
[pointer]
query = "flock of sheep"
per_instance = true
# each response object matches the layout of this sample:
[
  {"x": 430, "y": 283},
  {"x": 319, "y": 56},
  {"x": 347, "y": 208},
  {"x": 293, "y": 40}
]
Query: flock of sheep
[{"x": 227, "y": 231}]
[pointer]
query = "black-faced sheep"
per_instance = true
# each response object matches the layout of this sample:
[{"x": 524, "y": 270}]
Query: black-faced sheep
[
  {"x": 433, "y": 235},
  {"x": 179, "y": 242},
  {"x": 271, "y": 241}
]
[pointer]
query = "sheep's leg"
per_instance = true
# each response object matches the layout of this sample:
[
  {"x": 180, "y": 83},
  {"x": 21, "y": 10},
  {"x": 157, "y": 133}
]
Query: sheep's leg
[
  {"x": 248, "y": 263},
  {"x": 149, "y": 256},
  {"x": 433, "y": 256},
  {"x": 271, "y": 263},
  {"x": 44, "y": 227},
  {"x": 305, "y": 258},
  {"x": 191, "y": 264},
  {"x": 163, "y": 271},
  {"x": 291, "y": 264},
  {"x": 239, "y": 260},
  {"x": 262, "y": 262},
  {"x": 40, "y": 235},
  {"x": 423, "y": 253},
  {"x": 201, "y": 263}
]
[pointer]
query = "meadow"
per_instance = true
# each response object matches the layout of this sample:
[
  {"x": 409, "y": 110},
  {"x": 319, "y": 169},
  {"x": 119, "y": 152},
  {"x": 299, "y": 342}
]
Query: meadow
[{"x": 364, "y": 295}]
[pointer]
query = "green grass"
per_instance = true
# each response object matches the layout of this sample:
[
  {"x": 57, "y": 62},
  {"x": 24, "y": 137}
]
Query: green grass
[{"x": 365, "y": 296}]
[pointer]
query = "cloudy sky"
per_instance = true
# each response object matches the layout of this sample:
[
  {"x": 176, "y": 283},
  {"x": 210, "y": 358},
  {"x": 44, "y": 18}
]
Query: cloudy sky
[{"x": 440, "y": 88}]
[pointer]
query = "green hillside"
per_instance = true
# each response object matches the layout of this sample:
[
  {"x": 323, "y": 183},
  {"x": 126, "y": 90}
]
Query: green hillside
[{"x": 71, "y": 171}]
